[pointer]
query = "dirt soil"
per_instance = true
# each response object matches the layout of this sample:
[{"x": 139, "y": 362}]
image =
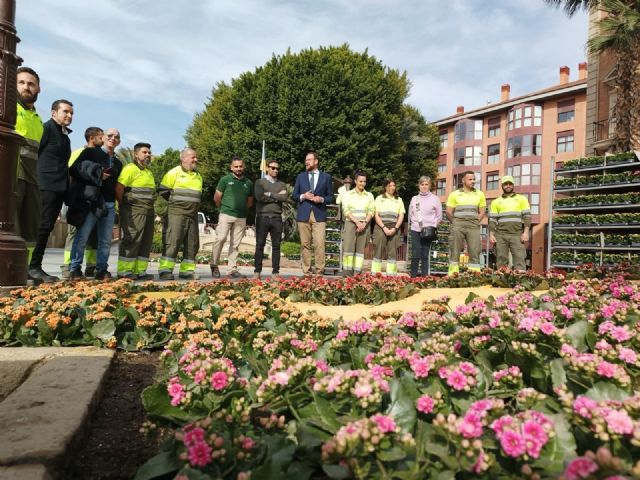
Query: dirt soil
[{"x": 112, "y": 447}]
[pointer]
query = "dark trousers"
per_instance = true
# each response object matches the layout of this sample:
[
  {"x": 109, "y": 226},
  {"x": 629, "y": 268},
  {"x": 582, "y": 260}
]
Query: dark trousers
[
  {"x": 51, "y": 206},
  {"x": 420, "y": 250},
  {"x": 264, "y": 226}
]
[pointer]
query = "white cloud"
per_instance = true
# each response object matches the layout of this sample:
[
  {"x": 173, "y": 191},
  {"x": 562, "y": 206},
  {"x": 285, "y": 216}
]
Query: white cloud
[{"x": 172, "y": 53}]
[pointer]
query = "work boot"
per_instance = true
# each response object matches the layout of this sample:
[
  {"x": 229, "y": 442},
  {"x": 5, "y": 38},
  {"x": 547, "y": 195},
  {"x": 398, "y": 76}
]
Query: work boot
[
  {"x": 76, "y": 275},
  {"x": 235, "y": 274},
  {"x": 166, "y": 276},
  {"x": 189, "y": 276},
  {"x": 90, "y": 271},
  {"x": 143, "y": 277},
  {"x": 65, "y": 271},
  {"x": 103, "y": 276},
  {"x": 36, "y": 273}
]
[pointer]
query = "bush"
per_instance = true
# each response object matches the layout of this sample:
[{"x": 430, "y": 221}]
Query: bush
[{"x": 290, "y": 248}]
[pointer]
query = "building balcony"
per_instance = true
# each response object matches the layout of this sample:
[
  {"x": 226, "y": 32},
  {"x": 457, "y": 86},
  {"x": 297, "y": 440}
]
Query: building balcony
[{"x": 603, "y": 133}]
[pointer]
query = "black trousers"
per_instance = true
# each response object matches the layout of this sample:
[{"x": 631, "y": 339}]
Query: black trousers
[
  {"x": 420, "y": 250},
  {"x": 51, "y": 206},
  {"x": 265, "y": 226}
]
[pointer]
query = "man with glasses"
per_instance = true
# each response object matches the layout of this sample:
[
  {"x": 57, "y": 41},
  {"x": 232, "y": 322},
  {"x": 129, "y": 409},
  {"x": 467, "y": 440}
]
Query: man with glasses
[
  {"x": 270, "y": 194},
  {"x": 234, "y": 198}
]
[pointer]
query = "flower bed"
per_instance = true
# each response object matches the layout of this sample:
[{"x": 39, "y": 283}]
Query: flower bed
[{"x": 514, "y": 387}]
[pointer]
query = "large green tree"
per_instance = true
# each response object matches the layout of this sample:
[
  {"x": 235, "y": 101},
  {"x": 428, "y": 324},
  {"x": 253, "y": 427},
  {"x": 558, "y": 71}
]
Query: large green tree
[
  {"x": 618, "y": 31},
  {"x": 345, "y": 105}
]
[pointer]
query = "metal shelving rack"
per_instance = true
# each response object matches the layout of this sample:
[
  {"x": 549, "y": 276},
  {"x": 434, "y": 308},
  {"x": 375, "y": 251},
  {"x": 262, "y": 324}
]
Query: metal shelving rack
[
  {"x": 593, "y": 241},
  {"x": 333, "y": 241}
]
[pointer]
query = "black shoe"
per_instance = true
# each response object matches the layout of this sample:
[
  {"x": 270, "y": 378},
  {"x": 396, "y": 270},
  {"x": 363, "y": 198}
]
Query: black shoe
[
  {"x": 90, "y": 271},
  {"x": 215, "y": 271},
  {"x": 103, "y": 276},
  {"x": 76, "y": 275},
  {"x": 235, "y": 274},
  {"x": 129, "y": 276},
  {"x": 166, "y": 276},
  {"x": 143, "y": 277},
  {"x": 36, "y": 273},
  {"x": 189, "y": 276}
]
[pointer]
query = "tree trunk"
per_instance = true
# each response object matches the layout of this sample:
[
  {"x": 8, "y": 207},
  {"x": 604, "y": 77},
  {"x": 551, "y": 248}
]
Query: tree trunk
[{"x": 627, "y": 109}]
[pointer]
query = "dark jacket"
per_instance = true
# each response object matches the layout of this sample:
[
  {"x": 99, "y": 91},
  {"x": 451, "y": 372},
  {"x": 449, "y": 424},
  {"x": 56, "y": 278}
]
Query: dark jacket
[
  {"x": 323, "y": 188},
  {"x": 53, "y": 158},
  {"x": 99, "y": 156},
  {"x": 84, "y": 194}
]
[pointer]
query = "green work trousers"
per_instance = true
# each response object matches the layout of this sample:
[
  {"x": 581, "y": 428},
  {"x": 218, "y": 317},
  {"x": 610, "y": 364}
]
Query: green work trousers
[
  {"x": 135, "y": 244},
  {"x": 510, "y": 242},
  {"x": 464, "y": 231},
  {"x": 353, "y": 244},
  {"x": 181, "y": 235},
  {"x": 383, "y": 244}
]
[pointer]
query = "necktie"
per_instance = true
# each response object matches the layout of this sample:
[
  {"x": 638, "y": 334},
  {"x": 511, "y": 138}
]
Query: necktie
[{"x": 312, "y": 182}]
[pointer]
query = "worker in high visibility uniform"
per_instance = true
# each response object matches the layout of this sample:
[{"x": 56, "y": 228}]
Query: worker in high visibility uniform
[
  {"x": 346, "y": 186},
  {"x": 94, "y": 138},
  {"x": 135, "y": 194},
  {"x": 29, "y": 125},
  {"x": 509, "y": 225},
  {"x": 358, "y": 207},
  {"x": 389, "y": 215},
  {"x": 182, "y": 187},
  {"x": 466, "y": 208}
]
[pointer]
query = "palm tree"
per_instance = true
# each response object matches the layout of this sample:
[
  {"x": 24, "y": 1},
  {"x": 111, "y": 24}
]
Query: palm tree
[{"x": 619, "y": 33}]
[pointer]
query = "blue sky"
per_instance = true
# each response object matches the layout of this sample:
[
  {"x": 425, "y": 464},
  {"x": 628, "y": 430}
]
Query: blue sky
[{"x": 146, "y": 66}]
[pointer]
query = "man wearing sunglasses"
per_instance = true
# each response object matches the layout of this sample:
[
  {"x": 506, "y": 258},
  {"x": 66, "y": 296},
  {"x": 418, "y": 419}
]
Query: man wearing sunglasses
[{"x": 270, "y": 194}]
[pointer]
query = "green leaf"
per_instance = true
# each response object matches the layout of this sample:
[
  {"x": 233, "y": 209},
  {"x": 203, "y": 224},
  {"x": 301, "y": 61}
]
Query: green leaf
[
  {"x": 470, "y": 298},
  {"x": 161, "y": 464},
  {"x": 576, "y": 333},
  {"x": 558, "y": 374},
  {"x": 336, "y": 471},
  {"x": 326, "y": 413},
  {"x": 403, "y": 402},
  {"x": 606, "y": 391},
  {"x": 103, "y": 330},
  {"x": 392, "y": 455},
  {"x": 46, "y": 334},
  {"x": 280, "y": 452},
  {"x": 559, "y": 449},
  {"x": 156, "y": 402}
]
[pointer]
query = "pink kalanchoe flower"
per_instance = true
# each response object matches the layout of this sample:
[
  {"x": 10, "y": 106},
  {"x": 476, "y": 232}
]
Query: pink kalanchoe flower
[
  {"x": 606, "y": 369},
  {"x": 425, "y": 404},
  {"x": 512, "y": 443},
  {"x": 219, "y": 380},
  {"x": 628, "y": 355},
  {"x": 193, "y": 436},
  {"x": 176, "y": 391},
  {"x": 621, "y": 334},
  {"x": 584, "y": 406},
  {"x": 248, "y": 443},
  {"x": 468, "y": 368},
  {"x": 200, "y": 454},
  {"x": 457, "y": 380},
  {"x": 470, "y": 426},
  {"x": 547, "y": 328},
  {"x": 420, "y": 367},
  {"x": 619, "y": 421},
  {"x": 322, "y": 366},
  {"x": 603, "y": 345},
  {"x": 580, "y": 467},
  {"x": 385, "y": 424},
  {"x": 342, "y": 334},
  {"x": 567, "y": 349},
  {"x": 362, "y": 389},
  {"x": 200, "y": 376}
]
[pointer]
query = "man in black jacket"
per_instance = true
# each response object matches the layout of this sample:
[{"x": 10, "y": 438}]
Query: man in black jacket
[
  {"x": 100, "y": 210},
  {"x": 53, "y": 180}
]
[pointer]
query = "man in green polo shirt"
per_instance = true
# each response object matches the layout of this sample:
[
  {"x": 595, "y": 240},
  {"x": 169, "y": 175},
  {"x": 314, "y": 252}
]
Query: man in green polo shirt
[{"x": 234, "y": 197}]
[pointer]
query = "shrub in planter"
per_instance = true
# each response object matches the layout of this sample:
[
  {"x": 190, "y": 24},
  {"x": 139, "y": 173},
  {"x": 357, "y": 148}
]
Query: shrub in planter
[
  {"x": 616, "y": 240},
  {"x": 289, "y": 249},
  {"x": 563, "y": 239},
  {"x": 634, "y": 239},
  {"x": 563, "y": 258},
  {"x": 570, "y": 164},
  {"x": 564, "y": 182},
  {"x": 626, "y": 157},
  {"x": 590, "y": 162},
  {"x": 587, "y": 239}
]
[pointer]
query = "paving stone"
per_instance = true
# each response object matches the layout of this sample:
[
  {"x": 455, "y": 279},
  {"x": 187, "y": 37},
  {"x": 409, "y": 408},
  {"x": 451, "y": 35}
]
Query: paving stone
[
  {"x": 12, "y": 374},
  {"x": 24, "y": 472},
  {"x": 41, "y": 417}
]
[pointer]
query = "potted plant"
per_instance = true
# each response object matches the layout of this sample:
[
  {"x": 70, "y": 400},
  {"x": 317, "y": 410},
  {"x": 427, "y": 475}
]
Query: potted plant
[
  {"x": 591, "y": 162},
  {"x": 569, "y": 164},
  {"x": 611, "y": 240},
  {"x": 589, "y": 240},
  {"x": 563, "y": 183},
  {"x": 621, "y": 158},
  {"x": 563, "y": 239},
  {"x": 563, "y": 258},
  {"x": 634, "y": 240}
]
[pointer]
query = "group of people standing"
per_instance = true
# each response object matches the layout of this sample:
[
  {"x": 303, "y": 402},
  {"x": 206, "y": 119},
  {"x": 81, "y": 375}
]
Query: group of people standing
[{"x": 96, "y": 186}]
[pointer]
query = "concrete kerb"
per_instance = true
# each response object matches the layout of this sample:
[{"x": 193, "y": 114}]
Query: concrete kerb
[{"x": 57, "y": 392}]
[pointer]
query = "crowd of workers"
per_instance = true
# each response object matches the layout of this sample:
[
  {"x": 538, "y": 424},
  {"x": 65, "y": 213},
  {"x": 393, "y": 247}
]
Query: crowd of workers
[{"x": 96, "y": 187}]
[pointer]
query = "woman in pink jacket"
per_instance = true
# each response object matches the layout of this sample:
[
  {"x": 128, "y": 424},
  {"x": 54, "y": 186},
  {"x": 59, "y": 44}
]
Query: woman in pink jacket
[{"x": 425, "y": 210}]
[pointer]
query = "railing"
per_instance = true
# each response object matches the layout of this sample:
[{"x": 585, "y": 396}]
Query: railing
[{"x": 604, "y": 130}]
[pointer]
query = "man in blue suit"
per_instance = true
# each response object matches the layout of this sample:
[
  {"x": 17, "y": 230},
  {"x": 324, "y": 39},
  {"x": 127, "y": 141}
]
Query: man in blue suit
[{"x": 313, "y": 191}]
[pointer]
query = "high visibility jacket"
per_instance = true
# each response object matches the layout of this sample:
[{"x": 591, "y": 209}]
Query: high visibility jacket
[
  {"x": 74, "y": 156},
  {"x": 389, "y": 209},
  {"x": 185, "y": 191},
  {"x": 29, "y": 125},
  {"x": 509, "y": 213},
  {"x": 467, "y": 205},
  {"x": 139, "y": 188},
  {"x": 358, "y": 205}
]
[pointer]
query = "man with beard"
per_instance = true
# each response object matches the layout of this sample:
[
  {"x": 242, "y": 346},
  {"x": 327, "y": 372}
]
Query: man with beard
[
  {"x": 93, "y": 137},
  {"x": 134, "y": 192},
  {"x": 53, "y": 180},
  {"x": 29, "y": 125},
  {"x": 182, "y": 188},
  {"x": 509, "y": 225}
]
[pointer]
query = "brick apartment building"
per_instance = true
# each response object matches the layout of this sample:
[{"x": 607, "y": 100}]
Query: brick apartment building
[{"x": 524, "y": 137}]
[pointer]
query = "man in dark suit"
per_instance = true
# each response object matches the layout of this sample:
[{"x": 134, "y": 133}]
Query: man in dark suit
[
  {"x": 313, "y": 191},
  {"x": 53, "y": 180}
]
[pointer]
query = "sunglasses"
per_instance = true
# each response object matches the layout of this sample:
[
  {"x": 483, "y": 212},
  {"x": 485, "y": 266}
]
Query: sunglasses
[
  {"x": 112, "y": 135},
  {"x": 274, "y": 168}
]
